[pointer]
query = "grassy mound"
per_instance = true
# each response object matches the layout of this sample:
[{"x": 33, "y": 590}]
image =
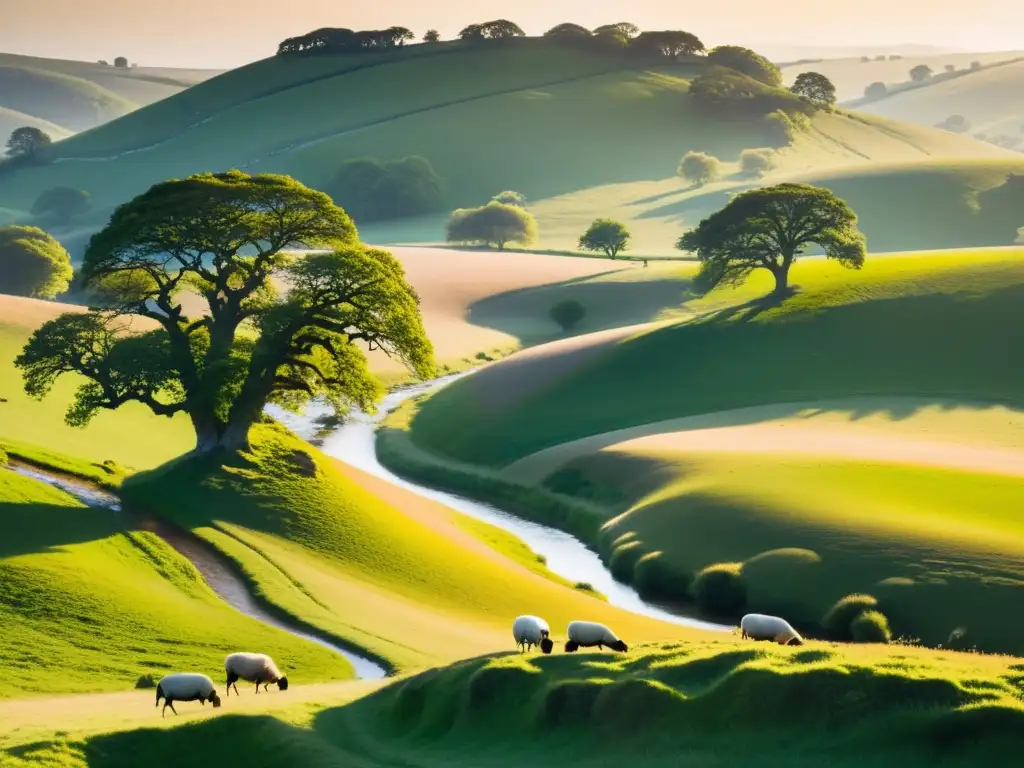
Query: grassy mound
[
  {"x": 88, "y": 604},
  {"x": 71, "y": 102},
  {"x": 920, "y": 325},
  {"x": 130, "y": 437},
  {"x": 717, "y": 706},
  {"x": 364, "y": 560}
]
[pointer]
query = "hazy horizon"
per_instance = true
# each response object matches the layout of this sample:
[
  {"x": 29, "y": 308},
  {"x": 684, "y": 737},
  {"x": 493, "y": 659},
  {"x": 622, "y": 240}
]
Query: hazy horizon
[{"x": 207, "y": 33}]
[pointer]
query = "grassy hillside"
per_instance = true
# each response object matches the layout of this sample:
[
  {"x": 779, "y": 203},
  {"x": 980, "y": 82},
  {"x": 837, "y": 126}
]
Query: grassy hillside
[
  {"x": 988, "y": 99},
  {"x": 365, "y": 560},
  {"x": 71, "y": 102},
  {"x": 61, "y": 90},
  {"x": 718, "y": 706},
  {"x": 583, "y": 134},
  {"x": 131, "y": 436},
  {"x": 88, "y": 604},
  {"x": 851, "y": 75},
  {"x": 844, "y": 333}
]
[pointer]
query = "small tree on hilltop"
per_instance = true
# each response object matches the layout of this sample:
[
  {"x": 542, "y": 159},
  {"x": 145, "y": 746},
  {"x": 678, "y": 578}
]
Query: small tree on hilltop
[
  {"x": 494, "y": 224},
  {"x": 121, "y": 62},
  {"x": 61, "y": 205},
  {"x": 748, "y": 62},
  {"x": 816, "y": 88},
  {"x": 768, "y": 229},
  {"x": 606, "y": 236},
  {"x": 876, "y": 91},
  {"x": 922, "y": 73},
  {"x": 223, "y": 237},
  {"x": 510, "y": 197},
  {"x": 28, "y": 143},
  {"x": 32, "y": 263},
  {"x": 567, "y": 314},
  {"x": 699, "y": 168},
  {"x": 432, "y": 36}
]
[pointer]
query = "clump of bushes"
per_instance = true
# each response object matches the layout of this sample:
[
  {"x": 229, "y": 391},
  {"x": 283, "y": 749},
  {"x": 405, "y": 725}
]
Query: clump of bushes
[
  {"x": 371, "y": 190},
  {"x": 145, "y": 682},
  {"x": 870, "y": 627},
  {"x": 850, "y": 612},
  {"x": 567, "y": 314},
  {"x": 718, "y": 590},
  {"x": 755, "y": 163},
  {"x": 699, "y": 168}
]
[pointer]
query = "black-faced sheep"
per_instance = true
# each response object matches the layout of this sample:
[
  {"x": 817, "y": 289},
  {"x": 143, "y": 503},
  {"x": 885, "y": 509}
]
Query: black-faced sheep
[
  {"x": 253, "y": 668},
  {"x": 185, "y": 686},
  {"x": 758, "y": 626},
  {"x": 529, "y": 631},
  {"x": 588, "y": 634}
]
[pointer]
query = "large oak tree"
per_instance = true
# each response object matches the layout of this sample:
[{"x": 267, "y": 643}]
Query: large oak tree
[
  {"x": 769, "y": 228},
  {"x": 276, "y": 327}
]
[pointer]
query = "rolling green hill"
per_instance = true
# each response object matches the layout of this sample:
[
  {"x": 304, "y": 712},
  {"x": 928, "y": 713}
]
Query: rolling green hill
[
  {"x": 88, "y": 604},
  {"x": 583, "y": 134}
]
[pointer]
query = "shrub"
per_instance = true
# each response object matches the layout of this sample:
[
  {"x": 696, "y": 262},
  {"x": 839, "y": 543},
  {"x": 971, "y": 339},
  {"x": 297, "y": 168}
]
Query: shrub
[
  {"x": 870, "y": 627},
  {"x": 567, "y": 314},
  {"x": 719, "y": 590},
  {"x": 370, "y": 190},
  {"x": 699, "y": 168},
  {"x": 838, "y": 620},
  {"x": 494, "y": 224},
  {"x": 757, "y": 162},
  {"x": 876, "y": 91},
  {"x": 145, "y": 682},
  {"x": 32, "y": 263},
  {"x": 510, "y": 197},
  {"x": 654, "y": 578},
  {"x": 783, "y": 127},
  {"x": 747, "y": 62}
]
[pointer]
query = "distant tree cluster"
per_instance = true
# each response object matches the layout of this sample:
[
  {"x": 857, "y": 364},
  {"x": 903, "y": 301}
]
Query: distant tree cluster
[
  {"x": 371, "y": 190},
  {"x": 340, "y": 40},
  {"x": 32, "y": 263}
]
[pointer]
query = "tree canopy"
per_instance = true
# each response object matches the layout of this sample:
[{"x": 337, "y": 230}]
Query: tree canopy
[
  {"x": 28, "y": 143},
  {"x": 492, "y": 30},
  {"x": 61, "y": 204},
  {"x": 224, "y": 237},
  {"x": 816, "y": 88},
  {"x": 370, "y": 190},
  {"x": 331, "y": 39},
  {"x": 32, "y": 263},
  {"x": 747, "y": 62},
  {"x": 496, "y": 224},
  {"x": 606, "y": 236},
  {"x": 669, "y": 43},
  {"x": 768, "y": 228}
]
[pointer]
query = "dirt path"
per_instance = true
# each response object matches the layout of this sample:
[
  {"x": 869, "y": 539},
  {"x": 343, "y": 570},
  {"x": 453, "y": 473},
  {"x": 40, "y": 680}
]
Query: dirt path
[{"x": 963, "y": 438}]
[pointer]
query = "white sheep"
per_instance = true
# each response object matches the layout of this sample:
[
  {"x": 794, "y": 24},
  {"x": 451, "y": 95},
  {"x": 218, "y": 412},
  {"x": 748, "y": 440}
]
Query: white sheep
[
  {"x": 185, "y": 686},
  {"x": 529, "y": 631},
  {"x": 758, "y": 626},
  {"x": 253, "y": 668},
  {"x": 588, "y": 634}
]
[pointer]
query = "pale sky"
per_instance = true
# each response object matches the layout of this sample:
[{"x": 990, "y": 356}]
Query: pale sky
[{"x": 228, "y": 33}]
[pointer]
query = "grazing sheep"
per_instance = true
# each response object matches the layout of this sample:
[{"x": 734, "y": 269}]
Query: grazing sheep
[
  {"x": 253, "y": 668},
  {"x": 587, "y": 634},
  {"x": 185, "y": 686},
  {"x": 758, "y": 626},
  {"x": 529, "y": 631}
]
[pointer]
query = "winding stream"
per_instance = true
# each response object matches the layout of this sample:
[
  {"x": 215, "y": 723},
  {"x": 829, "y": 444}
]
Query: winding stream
[
  {"x": 215, "y": 571},
  {"x": 566, "y": 555}
]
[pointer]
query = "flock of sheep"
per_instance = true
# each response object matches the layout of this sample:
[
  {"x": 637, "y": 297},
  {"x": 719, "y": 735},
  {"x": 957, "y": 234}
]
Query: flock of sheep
[
  {"x": 528, "y": 631},
  {"x": 191, "y": 686}
]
